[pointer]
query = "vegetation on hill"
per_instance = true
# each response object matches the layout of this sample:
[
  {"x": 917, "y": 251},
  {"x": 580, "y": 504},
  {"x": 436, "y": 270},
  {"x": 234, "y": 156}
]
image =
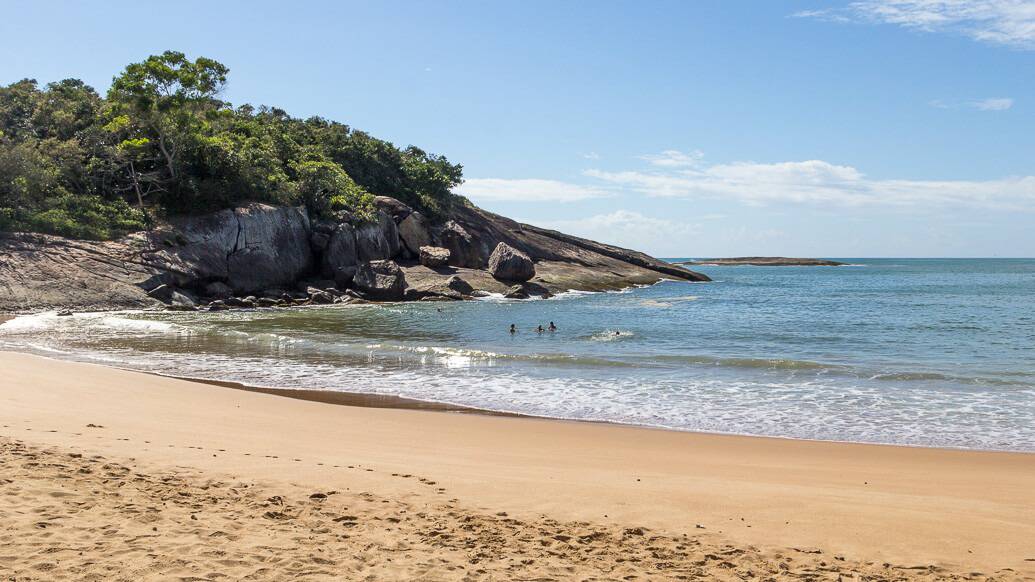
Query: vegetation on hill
[{"x": 161, "y": 142}]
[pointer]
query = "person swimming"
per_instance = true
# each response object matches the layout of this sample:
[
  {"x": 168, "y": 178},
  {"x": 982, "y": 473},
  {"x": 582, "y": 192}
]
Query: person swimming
[
  {"x": 513, "y": 329},
  {"x": 539, "y": 329},
  {"x": 552, "y": 327}
]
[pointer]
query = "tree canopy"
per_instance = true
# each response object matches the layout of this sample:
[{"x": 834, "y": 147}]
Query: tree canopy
[{"x": 162, "y": 142}]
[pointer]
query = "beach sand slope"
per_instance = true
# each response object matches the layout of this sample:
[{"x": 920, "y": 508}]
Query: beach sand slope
[{"x": 115, "y": 475}]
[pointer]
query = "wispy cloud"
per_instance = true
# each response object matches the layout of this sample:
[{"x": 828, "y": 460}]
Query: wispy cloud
[
  {"x": 624, "y": 227},
  {"x": 829, "y": 15},
  {"x": 1003, "y": 22},
  {"x": 675, "y": 159},
  {"x": 528, "y": 190},
  {"x": 591, "y": 156},
  {"x": 986, "y": 104},
  {"x": 817, "y": 182},
  {"x": 993, "y": 104}
]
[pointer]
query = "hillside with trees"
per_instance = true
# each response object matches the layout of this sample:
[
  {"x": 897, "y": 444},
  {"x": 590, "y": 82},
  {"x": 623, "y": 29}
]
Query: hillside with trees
[{"x": 162, "y": 143}]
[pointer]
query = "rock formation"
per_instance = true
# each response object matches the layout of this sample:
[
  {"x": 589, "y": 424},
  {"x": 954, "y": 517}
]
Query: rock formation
[
  {"x": 382, "y": 280},
  {"x": 509, "y": 264},
  {"x": 264, "y": 251},
  {"x": 434, "y": 256}
]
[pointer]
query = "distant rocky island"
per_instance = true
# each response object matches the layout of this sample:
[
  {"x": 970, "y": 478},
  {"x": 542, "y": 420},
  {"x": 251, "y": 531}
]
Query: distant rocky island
[{"x": 766, "y": 262}]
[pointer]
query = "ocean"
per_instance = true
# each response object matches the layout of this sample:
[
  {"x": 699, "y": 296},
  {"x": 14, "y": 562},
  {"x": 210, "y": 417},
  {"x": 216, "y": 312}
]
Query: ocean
[{"x": 928, "y": 352}]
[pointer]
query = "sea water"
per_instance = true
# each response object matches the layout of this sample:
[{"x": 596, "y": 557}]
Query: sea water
[{"x": 900, "y": 351}]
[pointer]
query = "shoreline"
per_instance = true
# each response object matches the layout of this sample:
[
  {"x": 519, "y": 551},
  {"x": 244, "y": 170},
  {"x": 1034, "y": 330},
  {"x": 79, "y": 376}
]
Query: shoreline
[
  {"x": 946, "y": 509},
  {"x": 396, "y": 402}
]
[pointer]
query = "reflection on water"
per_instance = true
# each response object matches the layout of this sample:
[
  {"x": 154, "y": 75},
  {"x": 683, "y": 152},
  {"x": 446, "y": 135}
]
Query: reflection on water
[{"x": 931, "y": 352}]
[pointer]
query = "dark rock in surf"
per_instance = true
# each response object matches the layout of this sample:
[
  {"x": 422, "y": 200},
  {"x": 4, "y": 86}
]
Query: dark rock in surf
[{"x": 382, "y": 280}]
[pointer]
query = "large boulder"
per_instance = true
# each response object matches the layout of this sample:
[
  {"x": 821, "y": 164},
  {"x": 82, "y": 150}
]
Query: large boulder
[
  {"x": 378, "y": 240},
  {"x": 509, "y": 264},
  {"x": 434, "y": 257},
  {"x": 397, "y": 209},
  {"x": 340, "y": 259},
  {"x": 249, "y": 248},
  {"x": 464, "y": 250},
  {"x": 272, "y": 247},
  {"x": 414, "y": 233},
  {"x": 382, "y": 280}
]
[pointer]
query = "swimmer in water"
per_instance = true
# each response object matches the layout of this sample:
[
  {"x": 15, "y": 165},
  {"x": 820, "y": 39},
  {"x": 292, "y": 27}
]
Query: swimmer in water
[
  {"x": 552, "y": 327},
  {"x": 618, "y": 332},
  {"x": 513, "y": 329},
  {"x": 539, "y": 329}
]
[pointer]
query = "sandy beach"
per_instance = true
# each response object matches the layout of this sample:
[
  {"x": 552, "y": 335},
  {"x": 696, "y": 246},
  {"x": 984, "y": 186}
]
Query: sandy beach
[{"x": 109, "y": 474}]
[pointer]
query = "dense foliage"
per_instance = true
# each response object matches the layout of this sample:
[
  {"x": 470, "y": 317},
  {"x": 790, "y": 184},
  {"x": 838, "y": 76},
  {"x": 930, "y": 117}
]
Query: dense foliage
[{"x": 77, "y": 164}]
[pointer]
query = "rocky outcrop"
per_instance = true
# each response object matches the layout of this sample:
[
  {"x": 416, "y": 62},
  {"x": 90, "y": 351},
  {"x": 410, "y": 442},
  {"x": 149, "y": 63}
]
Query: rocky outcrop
[
  {"x": 509, "y": 264},
  {"x": 340, "y": 258},
  {"x": 378, "y": 240},
  {"x": 248, "y": 248},
  {"x": 264, "y": 251},
  {"x": 414, "y": 233},
  {"x": 767, "y": 262},
  {"x": 382, "y": 280},
  {"x": 464, "y": 250},
  {"x": 434, "y": 256}
]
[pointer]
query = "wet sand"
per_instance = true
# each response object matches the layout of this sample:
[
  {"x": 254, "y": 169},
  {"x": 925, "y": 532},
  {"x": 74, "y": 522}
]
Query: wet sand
[{"x": 110, "y": 474}]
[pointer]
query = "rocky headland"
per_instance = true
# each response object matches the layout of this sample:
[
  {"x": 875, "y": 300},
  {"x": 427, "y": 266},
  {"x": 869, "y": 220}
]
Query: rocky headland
[
  {"x": 264, "y": 256},
  {"x": 766, "y": 262}
]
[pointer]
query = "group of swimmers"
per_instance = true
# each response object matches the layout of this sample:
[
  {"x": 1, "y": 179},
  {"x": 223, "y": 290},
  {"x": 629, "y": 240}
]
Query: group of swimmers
[{"x": 551, "y": 328}]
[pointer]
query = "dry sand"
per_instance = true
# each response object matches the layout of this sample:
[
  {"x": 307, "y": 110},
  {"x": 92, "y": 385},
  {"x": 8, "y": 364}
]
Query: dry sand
[{"x": 107, "y": 474}]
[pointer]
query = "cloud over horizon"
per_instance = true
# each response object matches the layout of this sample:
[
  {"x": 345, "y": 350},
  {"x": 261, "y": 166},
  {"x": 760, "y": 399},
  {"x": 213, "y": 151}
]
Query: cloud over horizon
[
  {"x": 528, "y": 190},
  {"x": 818, "y": 183}
]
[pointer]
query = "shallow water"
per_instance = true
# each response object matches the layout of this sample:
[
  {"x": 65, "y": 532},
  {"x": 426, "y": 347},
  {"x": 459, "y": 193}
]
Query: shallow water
[{"x": 918, "y": 352}]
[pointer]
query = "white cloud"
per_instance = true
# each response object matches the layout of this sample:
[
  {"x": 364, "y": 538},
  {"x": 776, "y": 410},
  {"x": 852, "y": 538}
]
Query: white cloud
[
  {"x": 820, "y": 183},
  {"x": 1003, "y": 22},
  {"x": 591, "y": 156},
  {"x": 527, "y": 190},
  {"x": 993, "y": 104},
  {"x": 986, "y": 104},
  {"x": 625, "y": 228},
  {"x": 675, "y": 159},
  {"x": 830, "y": 15}
]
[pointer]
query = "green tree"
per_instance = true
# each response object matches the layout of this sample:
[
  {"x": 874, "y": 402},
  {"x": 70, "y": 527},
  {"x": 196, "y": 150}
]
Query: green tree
[{"x": 165, "y": 97}]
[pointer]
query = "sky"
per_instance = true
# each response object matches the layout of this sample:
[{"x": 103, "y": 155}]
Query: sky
[{"x": 872, "y": 128}]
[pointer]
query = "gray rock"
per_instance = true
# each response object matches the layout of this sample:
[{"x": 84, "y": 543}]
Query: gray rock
[
  {"x": 414, "y": 233},
  {"x": 250, "y": 248},
  {"x": 162, "y": 293},
  {"x": 320, "y": 296},
  {"x": 217, "y": 305},
  {"x": 272, "y": 247},
  {"x": 319, "y": 240},
  {"x": 218, "y": 289},
  {"x": 238, "y": 302},
  {"x": 434, "y": 257},
  {"x": 377, "y": 240},
  {"x": 463, "y": 250},
  {"x": 516, "y": 292},
  {"x": 398, "y": 210},
  {"x": 340, "y": 259},
  {"x": 510, "y": 264},
  {"x": 381, "y": 280},
  {"x": 266, "y": 302}
]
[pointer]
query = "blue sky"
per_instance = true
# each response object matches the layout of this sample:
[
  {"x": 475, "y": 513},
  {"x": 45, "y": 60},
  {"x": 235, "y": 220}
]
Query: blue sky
[{"x": 706, "y": 128}]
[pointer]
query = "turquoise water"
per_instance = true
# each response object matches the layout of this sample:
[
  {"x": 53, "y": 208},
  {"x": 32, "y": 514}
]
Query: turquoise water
[{"x": 917, "y": 352}]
